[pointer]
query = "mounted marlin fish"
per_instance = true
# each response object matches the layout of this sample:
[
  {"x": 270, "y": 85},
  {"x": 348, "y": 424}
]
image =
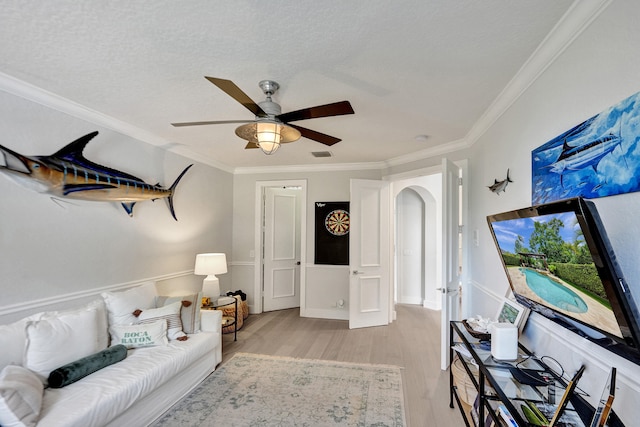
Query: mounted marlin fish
[{"x": 67, "y": 173}]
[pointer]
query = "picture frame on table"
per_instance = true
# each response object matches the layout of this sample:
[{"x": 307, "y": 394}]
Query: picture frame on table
[
  {"x": 475, "y": 410},
  {"x": 512, "y": 312},
  {"x": 606, "y": 400}
]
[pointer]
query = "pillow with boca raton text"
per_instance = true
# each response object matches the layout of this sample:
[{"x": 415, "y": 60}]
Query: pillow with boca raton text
[{"x": 136, "y": 336}]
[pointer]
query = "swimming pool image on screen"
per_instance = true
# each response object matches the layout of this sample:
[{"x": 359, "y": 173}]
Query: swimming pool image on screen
[
  {"x": 549, "y": 262},
  {"x": 554, "y": 292}
]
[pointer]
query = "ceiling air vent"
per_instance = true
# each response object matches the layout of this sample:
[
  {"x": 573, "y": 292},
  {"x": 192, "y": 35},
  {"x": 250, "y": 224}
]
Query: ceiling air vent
[{"x": 322, "y": 154}]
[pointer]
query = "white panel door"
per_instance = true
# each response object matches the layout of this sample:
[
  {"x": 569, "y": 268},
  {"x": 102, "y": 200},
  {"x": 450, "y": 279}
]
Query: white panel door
[
  {"x": 369, "y": 254},
  {"x": 450, "y": 247},
  {"x": 281, "y": 249}
]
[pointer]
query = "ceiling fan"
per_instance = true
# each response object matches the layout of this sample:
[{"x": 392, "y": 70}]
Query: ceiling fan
[{"x": 271, "y": 127}]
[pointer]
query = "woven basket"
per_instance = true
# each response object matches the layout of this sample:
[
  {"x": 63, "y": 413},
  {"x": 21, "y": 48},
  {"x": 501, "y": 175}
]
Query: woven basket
[
  {"x": 466, "y": 390},
  {"x": 482, "y": 336}
]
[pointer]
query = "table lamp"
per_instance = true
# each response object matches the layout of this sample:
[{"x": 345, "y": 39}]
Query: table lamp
[{"x": 210, "y": 265}]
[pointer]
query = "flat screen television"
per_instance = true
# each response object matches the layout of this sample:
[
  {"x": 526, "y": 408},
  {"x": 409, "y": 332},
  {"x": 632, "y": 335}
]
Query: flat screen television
[{"x": 560, "y": 264}]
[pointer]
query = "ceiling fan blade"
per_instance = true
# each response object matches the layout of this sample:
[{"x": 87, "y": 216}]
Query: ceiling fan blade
[
  {"x": 316, "y": 136},
  {"x": 328, "y": 110},
  {"x": 251, "y": 145},
  {"x": 236, "y": 93}
]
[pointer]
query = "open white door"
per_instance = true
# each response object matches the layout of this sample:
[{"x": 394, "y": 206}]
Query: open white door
[
  {"x": 369, "y": 254},
  {"x": 281, "y": 248},
  {"x": 450, "y": 247}
]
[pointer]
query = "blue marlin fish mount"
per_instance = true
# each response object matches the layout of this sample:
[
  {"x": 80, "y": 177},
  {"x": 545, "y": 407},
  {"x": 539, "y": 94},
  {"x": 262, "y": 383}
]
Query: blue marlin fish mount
[
  {"x": 499, "y": 186},
  {"x": 67, "y": 173}
]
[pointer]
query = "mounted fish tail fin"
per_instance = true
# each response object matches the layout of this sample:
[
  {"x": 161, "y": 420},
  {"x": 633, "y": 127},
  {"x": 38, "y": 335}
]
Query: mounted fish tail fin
[
  {"x": 172, "y": 189},
  {"x": 129, "y": 207},
  {"x": 508, "y": 178}
]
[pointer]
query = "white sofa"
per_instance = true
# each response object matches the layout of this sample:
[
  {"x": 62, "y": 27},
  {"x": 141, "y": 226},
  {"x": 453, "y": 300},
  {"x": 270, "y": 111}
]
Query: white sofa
[{"x": 131, "y": 392}]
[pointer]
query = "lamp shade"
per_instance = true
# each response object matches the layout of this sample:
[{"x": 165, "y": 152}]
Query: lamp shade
[{"x": 208, "y": 264}]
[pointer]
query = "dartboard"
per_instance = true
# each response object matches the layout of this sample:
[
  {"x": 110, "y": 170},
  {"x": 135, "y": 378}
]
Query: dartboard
[{"x": 337, "y": 222}]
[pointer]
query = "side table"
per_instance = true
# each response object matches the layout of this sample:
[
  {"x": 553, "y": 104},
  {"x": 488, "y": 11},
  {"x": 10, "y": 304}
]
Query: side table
[{"x": 226, "y": 320}]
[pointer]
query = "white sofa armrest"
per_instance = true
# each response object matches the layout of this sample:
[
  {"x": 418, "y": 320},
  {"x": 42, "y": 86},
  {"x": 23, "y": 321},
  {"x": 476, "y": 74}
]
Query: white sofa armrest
[{"x": 211, "y": 321}]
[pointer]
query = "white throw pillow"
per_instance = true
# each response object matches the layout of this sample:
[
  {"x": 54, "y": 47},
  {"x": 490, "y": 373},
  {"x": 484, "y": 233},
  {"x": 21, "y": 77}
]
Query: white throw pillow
[
  {"x": 170, "y": 313},
  {"x": 135, "y": 336},
  {"x": 56, "y": 341},
  {"x": 13, "y": 338},
  {"x": 190, "y": 316},
  {"x": 120, "y": 305},
  {"x": 20, "y": 397},
  {"x": 102, "y": 338}
]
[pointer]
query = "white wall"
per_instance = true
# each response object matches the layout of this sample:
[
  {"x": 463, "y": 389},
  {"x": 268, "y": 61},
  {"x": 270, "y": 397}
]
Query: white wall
[
  {"x": 58, "y": 249},
  {"x": 600, "y": 68},
  {"x": 325, "y": 284}
]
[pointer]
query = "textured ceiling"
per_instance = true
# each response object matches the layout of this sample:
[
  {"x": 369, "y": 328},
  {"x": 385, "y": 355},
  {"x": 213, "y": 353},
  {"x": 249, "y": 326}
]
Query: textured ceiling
[{"x": 415, "y": 67}]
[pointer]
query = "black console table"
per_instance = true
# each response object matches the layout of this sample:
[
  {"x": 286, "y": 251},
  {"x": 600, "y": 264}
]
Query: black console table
[{"x": 496, "y": 385}]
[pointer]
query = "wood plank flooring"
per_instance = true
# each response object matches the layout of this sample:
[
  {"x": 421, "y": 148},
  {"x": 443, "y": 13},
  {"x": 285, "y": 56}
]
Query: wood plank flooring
[{"x": 412, "y": 342}]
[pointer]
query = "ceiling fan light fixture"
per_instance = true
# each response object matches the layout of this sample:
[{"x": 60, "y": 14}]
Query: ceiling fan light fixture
[{"x": 268, "y": 135}]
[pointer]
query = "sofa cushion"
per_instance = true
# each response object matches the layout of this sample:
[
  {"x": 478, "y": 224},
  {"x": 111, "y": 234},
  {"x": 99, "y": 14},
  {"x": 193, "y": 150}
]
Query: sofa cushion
[
  {"x": 144, "y": 335},
  {"x": 55, "y": 341},
  {"x": 20, "y": 397},
  {"x": 102, "y": 396},
  {"x": 13, "y": 338},
  {"x": 74, "y": 371},
  {"x": 189, "y": 314},
  {"x": 121, "y": 305},
  {"x": 170, "y": 313}
]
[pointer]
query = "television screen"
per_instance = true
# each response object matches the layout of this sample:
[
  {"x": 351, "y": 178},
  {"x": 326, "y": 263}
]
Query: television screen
[{"x": 559, "y": 263}]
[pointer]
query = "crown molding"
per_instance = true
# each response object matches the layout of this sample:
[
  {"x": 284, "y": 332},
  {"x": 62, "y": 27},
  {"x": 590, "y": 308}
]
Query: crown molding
[
  {"x": 427, "y": 153},
  {"x": 48, "y": 99},
  {"x": 333, "y": 167},
  {"x": 577, "y": 18}
]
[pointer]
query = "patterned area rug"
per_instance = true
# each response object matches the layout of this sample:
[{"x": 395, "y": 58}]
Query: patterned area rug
[{"x": 258, "y": 390}]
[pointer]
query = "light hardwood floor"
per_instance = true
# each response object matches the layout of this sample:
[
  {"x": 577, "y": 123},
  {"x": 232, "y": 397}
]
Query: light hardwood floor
[{"x": 412, "y": 342}]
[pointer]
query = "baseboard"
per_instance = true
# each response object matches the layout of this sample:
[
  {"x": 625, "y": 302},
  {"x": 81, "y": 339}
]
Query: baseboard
[
  {"x": 432, "y": 305},
  {"x": 326, "y": 314},
  {"x": 410, "y": 300}
]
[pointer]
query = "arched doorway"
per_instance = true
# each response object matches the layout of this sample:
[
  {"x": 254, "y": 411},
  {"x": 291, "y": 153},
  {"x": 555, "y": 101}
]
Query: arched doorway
[{"x": 418, "y": 235}]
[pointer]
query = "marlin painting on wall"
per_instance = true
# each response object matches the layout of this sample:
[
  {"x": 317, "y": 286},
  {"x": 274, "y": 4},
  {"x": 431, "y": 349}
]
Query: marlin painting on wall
[
  {"x": 597, "y": 158},
  {"x": 69, "y": 174}
]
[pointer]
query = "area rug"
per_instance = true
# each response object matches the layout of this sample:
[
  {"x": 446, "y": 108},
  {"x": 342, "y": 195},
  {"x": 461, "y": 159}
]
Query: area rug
[{"x": 258, "y": 390}]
